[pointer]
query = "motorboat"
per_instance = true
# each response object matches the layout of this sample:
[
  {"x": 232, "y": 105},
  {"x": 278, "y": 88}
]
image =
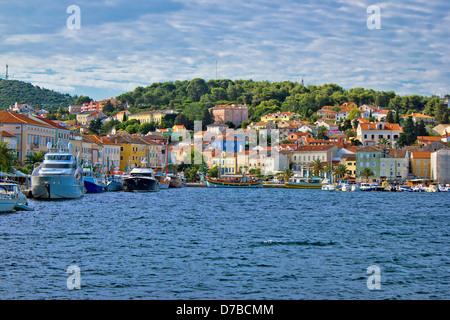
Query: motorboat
[
  {"x": 141, "y": 180},
  {"x": 366, "y": 187},
  {"x": 431, "y": 188},
  {"x": 93, "y": 182},
  {"x": 346, "y": 187},
  {"x": 176, "y": 181},
  {"x": 59, "y": 176},
  {"x": 329, "y": 187},
  {"x": 7, "y": 201},
  {"x": 114, "y": 182},
  {"x": 404, "y": 189},
  {"x": 13, "y": 189},
  {"x": 355, "y": 187}
]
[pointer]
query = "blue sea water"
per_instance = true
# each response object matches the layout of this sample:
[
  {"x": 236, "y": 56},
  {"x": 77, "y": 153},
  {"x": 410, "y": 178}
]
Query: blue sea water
[{"x": 200, "y": 243}]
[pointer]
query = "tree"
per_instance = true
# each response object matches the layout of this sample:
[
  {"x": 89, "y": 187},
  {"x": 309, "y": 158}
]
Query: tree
[
  {"x": 181, "y": 119},
  {"x": 81, "y": 100},
  {"x": 8, "y": 157},
  {"x": 384, "y": 142},
  {"x": 147, "y": 127},
  {"x": 355, "y": 113},
  {"x": 95, "y": 126},
  {"x": 213, "y": 172},
  {"x": 442, "y": 113},
  {"x": 108, "y": 107},
  {"x": 207, "y": 118},
  {"x": 340, "y": 170},
  {"x": 408, "y": 136},
  {"x": 317, "y": 167},
  {"x": 133, "y": 128},
  {"x": 366, "y": 173},
  {"x": 420, "y": 128},
  {"x": 286, "y": 174},
  {"x": 390, "y": 117},
  {"x": 34, "y": 157},
  {"x": 321, "y": 133},
  {"x": 196, "y": 88}
]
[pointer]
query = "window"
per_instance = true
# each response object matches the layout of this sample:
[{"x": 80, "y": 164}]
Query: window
[
  {"x": 374, "y": 164},
  {"x": 365, "y": 136},
  {"x": 367, "y": 164},
  {"x": 418, "y": 162},
  {"x": 380, "y": 136},
  {"x": 361, "y": 164},
  {"x": 399, "y": 165},
  {"x": 373, "y": 136},
  {"x": 417, "y": 171},
  {"x": 383, "y": 164}
]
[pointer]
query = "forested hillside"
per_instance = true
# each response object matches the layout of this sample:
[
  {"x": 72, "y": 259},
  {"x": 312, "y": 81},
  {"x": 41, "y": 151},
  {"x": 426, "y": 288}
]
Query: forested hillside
[
  {"x": 192, "y": 97},
  {"x": 12, "y": 91}
]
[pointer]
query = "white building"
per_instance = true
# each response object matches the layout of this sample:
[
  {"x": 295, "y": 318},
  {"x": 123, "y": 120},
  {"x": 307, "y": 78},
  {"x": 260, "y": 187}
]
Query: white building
[{"x": 440, "y": 166}]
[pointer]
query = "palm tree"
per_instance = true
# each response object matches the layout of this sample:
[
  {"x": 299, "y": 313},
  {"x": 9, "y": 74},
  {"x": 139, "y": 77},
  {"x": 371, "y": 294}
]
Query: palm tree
[
  {"x": 317, "y": 167},
  {"x": 8, "y": 156},
  {"x": 34, "y": 157},
  {"x": 340, "y": 170},
  {"x": 384, "y": 142},
  {"x": 286, "y": 174},
  {"x": 366, "y": 173}
]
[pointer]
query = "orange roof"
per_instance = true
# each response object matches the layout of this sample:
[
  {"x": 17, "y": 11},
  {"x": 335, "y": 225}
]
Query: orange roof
[
  {"x": 373, "y": 126},
  {"x": 6, "y": 134},
  {"x": 421, "y": 154},
  {"x": 314, "y": 148},
  {"x": 417, "y": 115},
  {"x": 11, "y": 117},
  {"x": 52, "y": 123}
]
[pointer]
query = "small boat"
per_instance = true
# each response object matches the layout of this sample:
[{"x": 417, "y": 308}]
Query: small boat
[
  {"x": 431, "y": 188},
  {"x": 404, "y": 189},
  {"x": 13, "y": 189},
  {"x": 93, "y": 182},
  {"x": 234, "y": 181},
  {"x": 7, "y": 201},
  {"x": 58, "y": 176},
  {"x": 304, "y": 183},
  {"x": 329, "y": 187},
  {"x": 366, "y": 187},
  {"x": 346, "y": 187},
  {"x": 176, "y": 181},
  {"x": 114, "y": 182},
  {"x": 163, "y": 180},
  {"x": 355, "y": 187},
  {"x": 141, "y": 180},
  {"x": 443, "y": 188}
]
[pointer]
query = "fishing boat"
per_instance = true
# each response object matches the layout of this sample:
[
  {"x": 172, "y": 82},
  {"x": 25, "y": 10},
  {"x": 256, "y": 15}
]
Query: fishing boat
[
  {"x": 234, "y": 181},
  {"x": 304, "y": 183},
  {"x": 93, "y": 182},
  {"x": 176, "y": 181},
  {"x": 59, "y": 176},
  {"x": 141, "y": 180},
  {"x": 114, "y": 182},
  {"x": 163, "y": 180}
]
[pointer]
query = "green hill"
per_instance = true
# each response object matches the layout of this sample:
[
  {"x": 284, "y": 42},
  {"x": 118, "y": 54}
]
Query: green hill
[{"x": 12, "y": 91}]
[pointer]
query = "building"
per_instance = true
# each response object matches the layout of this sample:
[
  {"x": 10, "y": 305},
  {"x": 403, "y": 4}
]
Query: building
[
  {"x": 329, "y": 125},
  {"x": 420, "y": 164},
  {"x": 349, "y": 160},
  {"x": 120, "y": 115},
  {"x": 31, "y": 135},
  {"x": 74, "y": 109},
  {"x": 151, "y": 116},
  {"x": 280, "y": 116},
  {"x": 85, "y": 117},
  {"x": 419, "y": 117},
  {"x": 440, "y": 166},
  {"x": 368, "y": 157},
  {"x": 230, "y": 113},
  {"x": 303, "y": 156},
  {"x": 371, "y": 133},
  {"x": 441, "y": 129},
  {"x": 9, "y": 139},
  {"x": 394, "y": 165},
  {"x": 327, "y": 114},
  {"x": 226, "y": 162}
]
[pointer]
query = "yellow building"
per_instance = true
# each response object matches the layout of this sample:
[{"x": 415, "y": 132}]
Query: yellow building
[
  {"x": 349, "y": 160},
  {"x": 150, "y": 116},
  {"x": 226, "y": 161},
  {"x": 420, "y": 164}
]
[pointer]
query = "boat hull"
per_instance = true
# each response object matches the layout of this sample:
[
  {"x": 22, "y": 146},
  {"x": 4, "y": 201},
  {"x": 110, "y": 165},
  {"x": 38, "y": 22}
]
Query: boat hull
[
  {"x": 114, "y": 186},
  {"x": 56, "y": 187},
  {"x": 140, "y": 184},
  {"x": 92, "y": 187},
  {"x": 299, "y": 185},
  {"x": 7, "y": 205},
  {"x": 176, "y": 184},
  {"x": 164, "y": 185},
  {"x": 227, "y": 184}
]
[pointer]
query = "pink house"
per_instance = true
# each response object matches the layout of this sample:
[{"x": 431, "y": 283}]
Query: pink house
[{"x": 230, "y": 112}]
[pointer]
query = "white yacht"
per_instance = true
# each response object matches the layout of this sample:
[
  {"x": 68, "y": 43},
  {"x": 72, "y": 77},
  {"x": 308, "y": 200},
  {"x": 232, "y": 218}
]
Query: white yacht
[
  {"x": 58, "y": 177},
  {"x": 13, "y": 189},
  {"x": 141, "y": 180},
  {"x": 7, "y": 201}
]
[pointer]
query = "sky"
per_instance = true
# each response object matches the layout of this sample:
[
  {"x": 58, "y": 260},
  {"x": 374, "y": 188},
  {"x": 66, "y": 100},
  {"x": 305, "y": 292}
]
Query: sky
[{"x": 122, "y": 44}]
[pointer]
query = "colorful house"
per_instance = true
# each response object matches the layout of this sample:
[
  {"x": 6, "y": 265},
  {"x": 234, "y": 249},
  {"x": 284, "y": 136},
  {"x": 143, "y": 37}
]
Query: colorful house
[
  {"x": 418, "y": 117},
  {"x": 420, "y": 164}
]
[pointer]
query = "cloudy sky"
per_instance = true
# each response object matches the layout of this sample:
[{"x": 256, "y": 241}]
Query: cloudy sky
[{"x": 122, "y": 44}]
